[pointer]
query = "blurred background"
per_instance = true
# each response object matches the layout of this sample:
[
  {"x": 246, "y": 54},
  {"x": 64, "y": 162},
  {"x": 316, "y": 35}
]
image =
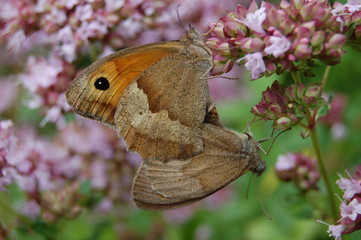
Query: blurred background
[{"x": 65, "y": 177}]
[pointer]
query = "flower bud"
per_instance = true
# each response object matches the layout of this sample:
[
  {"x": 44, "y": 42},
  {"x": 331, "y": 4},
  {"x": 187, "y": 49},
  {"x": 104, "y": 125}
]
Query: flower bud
[
  {"x": 250, "y": 45},
  {"x": 315, "y": 90},
  {"x": 260, "y": 109},
  {"x": 221, "y": 65},
  {"x": 305, "y": 133},
  {"x": 318, "y": 38},
  {"x": 231, "y": 26},
  {"x": 275, "y": 109},
  {"x": 271, "y": 67},
  {"x": 213, "y": 42},
  {"x": 291, "y": 93},
  {"x": 287, "y": 26},
  {"x": 303, "y": 51},
  {"x": 274, "y": 17},
  {"x": 300, "y": 89},
  {"x": 337, "y": 41},
  {"x": 282, "y": 123},
  {"x": 216, "y": 30},
  {"x": 223, "y": 48}
]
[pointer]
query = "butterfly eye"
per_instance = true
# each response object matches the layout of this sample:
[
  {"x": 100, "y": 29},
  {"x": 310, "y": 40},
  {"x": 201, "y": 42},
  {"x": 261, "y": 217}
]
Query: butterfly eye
[{"x": 101, "y": 84}]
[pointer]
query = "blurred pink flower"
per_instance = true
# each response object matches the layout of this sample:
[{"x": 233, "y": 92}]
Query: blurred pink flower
[
  {"x": 334, "y": 117},
  {"x": 286, "y": 162},
  {"x": 299, "y": 169},
  {"x": 31, "y": 209},
  {"x": 8, "y": 92},
  {"x": 336, "y": 231},
  {"x": 83, "y": 151}
]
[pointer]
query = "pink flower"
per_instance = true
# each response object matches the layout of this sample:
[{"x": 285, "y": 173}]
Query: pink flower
[
  {"x": 286, "y": 162},
  {"x": 350, "y": 207},
  {"x": 113, "y": 5},
  {"x": 8, "y": 92},
  {"x": 290, "y": 41},
  {"x": 254, "y": 63},
  {"x": 41, "y": 73},
  {"x": 298, "y": 168},
  {"x": 254, "y": 20},
  {"x": 16, "y": 41},
  {"x": 83, "y": 12},
  {"x": 336, "y": 231},
  {"x": 31, "y": 209},
  {"x": 279, "y": 45},
  {"x": 352, "y": 210}
]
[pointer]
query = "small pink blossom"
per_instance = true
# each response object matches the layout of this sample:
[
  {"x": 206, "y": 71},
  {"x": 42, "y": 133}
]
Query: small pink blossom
[
  {"x": 350, "y": 207},
  {"x": 83, "y": 12},
  {"x": 69, "y": 3},
  {"x": 298, "y": 168},
  {"x": 112, "y": 5},
  {"x": 336, "y": 231},
  {"x": 255, "y": 64},
  {"x": 286, "y": 162},
  {"x": 41, "y": 73},
  {"x": 279, "y": 45},
  {"x": 16, "y": 41},
  {"x": 352, "y": 210},
  {"x": 350, "y": 186},
  {"x": 31, "y": 209},
  {"x": 8, "y": 92},
  {"x": 254, "y": 20}
]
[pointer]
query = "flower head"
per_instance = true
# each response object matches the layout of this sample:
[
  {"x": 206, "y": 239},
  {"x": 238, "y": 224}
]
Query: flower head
[
  {"x": 350, "y": 207},
  {"x": 299, "y": 169},
  {"x": 287, "y": 36},
  {"x": 286, "y": 106}
]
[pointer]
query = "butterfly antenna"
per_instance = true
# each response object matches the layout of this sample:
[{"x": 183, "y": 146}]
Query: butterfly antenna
[
  {"x": 248, "y": 185},
  {"x": 264, "y": 210},
  {"x": 176, "y": 8}
]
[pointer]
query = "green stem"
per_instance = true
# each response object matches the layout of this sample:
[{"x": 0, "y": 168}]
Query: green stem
[
  {"x": 296, "y": 77},
  {"x": 325, "y": 75},
  {"x": 321, "y": 165}
]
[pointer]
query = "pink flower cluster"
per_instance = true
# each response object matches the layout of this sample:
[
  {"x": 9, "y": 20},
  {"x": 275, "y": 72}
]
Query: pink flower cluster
[
  {"x": 44, "y": 168},
  {"x": 46, "y": 79},
  {"x": 288, "y": 106},
  {"x": 69, "y": 25},
  {"x": 350, "y": 208},
  {"x": 273, "y": 39},
  {"x": 299, "y": 169}
]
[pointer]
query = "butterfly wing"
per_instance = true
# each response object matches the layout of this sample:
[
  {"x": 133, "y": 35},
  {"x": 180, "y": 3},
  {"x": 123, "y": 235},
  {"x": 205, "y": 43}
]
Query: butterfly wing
[
  {"x": 161, "y": 186},
  {"x": 156, "y": 98}
]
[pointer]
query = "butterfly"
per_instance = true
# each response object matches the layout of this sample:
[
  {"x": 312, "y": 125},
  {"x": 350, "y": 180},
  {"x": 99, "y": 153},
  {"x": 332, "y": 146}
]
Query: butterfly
[{"x": 156, "y": 97}]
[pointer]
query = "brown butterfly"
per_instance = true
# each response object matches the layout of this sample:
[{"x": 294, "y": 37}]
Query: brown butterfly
[
  {"x": 153, "y": 95},
  {"x": 156, "y": 97}
]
